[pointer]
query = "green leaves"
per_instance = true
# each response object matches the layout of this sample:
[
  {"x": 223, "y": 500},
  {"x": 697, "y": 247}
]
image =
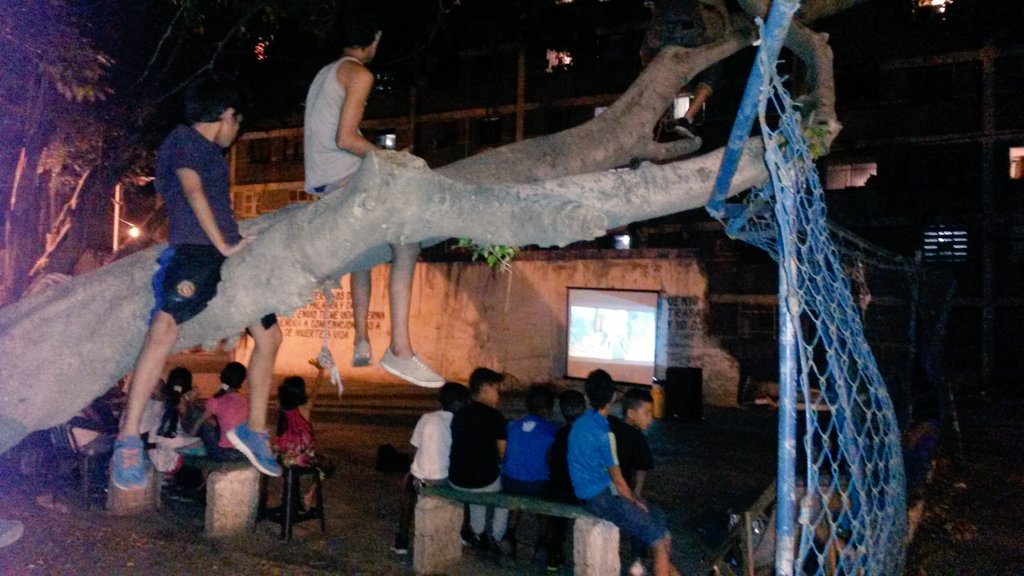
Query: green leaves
[{"x": 497, "y": 257}]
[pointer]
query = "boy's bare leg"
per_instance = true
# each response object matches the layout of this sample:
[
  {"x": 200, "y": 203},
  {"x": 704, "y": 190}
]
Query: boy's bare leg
[
  {"x": 251, "y": 437},
  {"x": 160, "y": 339},
  {"x": 700, "y": 97},
  {"x": 403, "y": 265},
  {"x": 662, "y": 550},
  {"x": 400, "y": 359},
  {"x": 360, "y": 285},
  {"x": 261, "y": 372}
]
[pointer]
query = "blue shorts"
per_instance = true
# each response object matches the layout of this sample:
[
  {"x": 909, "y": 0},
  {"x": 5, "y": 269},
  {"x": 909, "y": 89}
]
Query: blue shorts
[
  {"x": 186, "y": 281},
  {"x": 647, "y": 526}
]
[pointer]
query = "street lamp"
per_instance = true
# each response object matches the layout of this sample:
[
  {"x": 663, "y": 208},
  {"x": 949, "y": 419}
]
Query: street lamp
[{"x": 133, "y": 230}]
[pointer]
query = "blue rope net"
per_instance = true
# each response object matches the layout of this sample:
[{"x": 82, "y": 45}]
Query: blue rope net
[{"x": 846, "y": 489}]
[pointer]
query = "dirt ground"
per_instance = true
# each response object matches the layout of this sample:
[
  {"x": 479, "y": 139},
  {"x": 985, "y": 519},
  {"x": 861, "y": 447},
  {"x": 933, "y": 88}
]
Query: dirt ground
[{"x": 703, "y": 470}]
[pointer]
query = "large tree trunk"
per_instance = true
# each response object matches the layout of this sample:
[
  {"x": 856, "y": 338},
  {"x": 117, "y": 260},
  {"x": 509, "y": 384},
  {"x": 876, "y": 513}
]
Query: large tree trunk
[
  {"x": 21, "y": 227},
  {"x": 64, "y": 346}
]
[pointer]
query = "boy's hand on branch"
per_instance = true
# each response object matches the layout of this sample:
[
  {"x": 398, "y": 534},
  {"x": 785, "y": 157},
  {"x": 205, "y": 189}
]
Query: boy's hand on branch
[{"x": 230, "y": 250}]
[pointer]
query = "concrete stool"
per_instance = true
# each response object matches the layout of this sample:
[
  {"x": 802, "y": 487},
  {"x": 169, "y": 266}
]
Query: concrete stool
[{"x": 232, "y": 497}]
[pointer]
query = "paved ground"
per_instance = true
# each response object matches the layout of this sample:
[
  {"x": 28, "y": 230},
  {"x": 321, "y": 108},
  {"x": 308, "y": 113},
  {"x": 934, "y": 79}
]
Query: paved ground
[{"x": 704, "y": 469}]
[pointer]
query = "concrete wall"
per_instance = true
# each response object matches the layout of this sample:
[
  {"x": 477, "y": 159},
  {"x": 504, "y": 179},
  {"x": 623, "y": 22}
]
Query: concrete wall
[{"x": 466, "y": 315}]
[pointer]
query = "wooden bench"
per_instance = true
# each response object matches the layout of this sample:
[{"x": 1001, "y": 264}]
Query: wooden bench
[
  {"x": 439, "y": 518},
  {"x": 232, "y": 494}
]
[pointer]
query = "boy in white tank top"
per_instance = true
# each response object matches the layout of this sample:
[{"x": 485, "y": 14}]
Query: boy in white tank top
[{"x": 334, "y": 148}]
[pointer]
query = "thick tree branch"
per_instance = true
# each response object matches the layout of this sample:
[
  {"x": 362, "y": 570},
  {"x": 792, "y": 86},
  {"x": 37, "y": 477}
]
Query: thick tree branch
[
  {"x": 612, "y": 139},
  {"x": 393, "y": 198}
]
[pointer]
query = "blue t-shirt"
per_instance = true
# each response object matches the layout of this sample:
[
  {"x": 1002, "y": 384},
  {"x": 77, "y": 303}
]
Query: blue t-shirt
[
  {"x": 526, "y": 453},
  {"x": 591, "y": 454},
  {"x": 186, "y": 148}
]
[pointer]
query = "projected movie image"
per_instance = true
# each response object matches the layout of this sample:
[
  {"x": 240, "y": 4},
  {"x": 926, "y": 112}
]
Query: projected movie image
[{"x": 614, "y": 330}]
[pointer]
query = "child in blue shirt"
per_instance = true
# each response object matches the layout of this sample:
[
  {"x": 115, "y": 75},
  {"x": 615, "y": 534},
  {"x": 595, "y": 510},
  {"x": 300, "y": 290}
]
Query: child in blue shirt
[
  {"x": 525, "y": 470},
  {"x": 597, "y": 479}
]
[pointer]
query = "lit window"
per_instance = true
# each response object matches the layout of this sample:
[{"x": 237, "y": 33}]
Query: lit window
[
  {"x": 1017, "y": 163},
  {"x": 850, "y": 175},
  {"x": 943, "y": 243},
  {"x": 261, "y": 47},
  {"x": 680, "y": 105},
  {"x": 558, "y": 60},
  {"x": 936, "y": 5},
  {"x": 387, "y": 140}
]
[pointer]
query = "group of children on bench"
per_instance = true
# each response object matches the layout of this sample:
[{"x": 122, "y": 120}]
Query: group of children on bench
[
  {"x": 596, "y": 460},
  {"x": 178, "y": 424}
]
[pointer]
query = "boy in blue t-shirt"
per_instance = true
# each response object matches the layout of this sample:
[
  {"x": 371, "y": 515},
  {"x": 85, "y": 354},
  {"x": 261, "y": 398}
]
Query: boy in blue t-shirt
[
  {"x": 525, "y": 469},
  {"x": 598, "y": 482}
]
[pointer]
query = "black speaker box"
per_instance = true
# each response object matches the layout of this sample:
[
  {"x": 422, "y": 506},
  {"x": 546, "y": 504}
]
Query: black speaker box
[{"x": 684, "y": 394}]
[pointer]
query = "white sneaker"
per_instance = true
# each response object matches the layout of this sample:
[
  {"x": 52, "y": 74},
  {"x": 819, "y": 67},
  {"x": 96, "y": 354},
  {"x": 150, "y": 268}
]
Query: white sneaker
[
  {"x": 411, "y": 370},
  {"x": 637, "y": 569}
]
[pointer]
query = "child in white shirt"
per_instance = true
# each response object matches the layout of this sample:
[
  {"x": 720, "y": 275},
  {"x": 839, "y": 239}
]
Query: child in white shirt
[{"x": 432, "y": 439}]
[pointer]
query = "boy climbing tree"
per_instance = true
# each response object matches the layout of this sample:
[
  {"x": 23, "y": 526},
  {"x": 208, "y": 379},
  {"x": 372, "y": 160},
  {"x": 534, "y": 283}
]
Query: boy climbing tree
[{"x": 192, "y": 177}]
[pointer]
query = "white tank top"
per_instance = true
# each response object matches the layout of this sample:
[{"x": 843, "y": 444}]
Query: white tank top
[{"x": 325, "y": 162}]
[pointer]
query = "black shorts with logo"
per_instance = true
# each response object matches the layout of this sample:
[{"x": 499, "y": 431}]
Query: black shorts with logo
[{"x": 187, "y": 280}]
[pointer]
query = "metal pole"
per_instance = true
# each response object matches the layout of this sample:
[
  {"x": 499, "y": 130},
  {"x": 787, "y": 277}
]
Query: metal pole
[
  {"x": 789, "y": 313},
  {"x": 116, "y": 241},
  {"x": 521, "y": 93},
  {"x": 988, "y": 214},
  {"x": 772, "y": 37}
]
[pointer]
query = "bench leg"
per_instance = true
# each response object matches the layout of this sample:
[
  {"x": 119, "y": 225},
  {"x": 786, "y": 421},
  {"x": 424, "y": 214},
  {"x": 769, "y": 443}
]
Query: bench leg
[
  {"x": 232, "y": 499},
  {"x": 595, "y": 547},
  {"x": 437, "y": 543}
]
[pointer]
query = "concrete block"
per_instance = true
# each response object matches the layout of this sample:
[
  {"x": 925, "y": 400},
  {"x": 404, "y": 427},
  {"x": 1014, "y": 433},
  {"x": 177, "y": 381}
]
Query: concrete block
[
  {"x": 437, "y": 542},
  {"x": 132, "y": 502},
  {"x": 232, "y": 498},
  {"x": 595, "y": 547}
]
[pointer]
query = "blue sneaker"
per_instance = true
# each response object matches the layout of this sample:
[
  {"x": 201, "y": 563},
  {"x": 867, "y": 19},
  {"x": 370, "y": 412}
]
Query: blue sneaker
[
  {"x": 256, "y": 447},
  {"x": 128, "y": 464}
]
